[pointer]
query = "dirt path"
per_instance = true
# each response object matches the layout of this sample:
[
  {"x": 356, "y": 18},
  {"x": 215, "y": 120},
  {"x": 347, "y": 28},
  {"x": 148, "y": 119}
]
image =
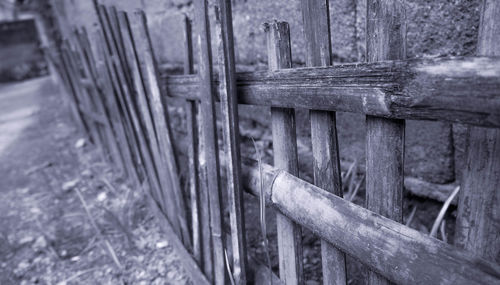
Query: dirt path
[{"x": 46, "y": 236}]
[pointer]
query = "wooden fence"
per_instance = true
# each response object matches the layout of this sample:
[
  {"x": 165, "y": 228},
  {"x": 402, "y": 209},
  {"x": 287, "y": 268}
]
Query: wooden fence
[{"x": 119, "y": 100}]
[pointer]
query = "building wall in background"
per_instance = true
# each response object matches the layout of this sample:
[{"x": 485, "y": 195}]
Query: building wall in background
[{"x": 20, "y": 53}]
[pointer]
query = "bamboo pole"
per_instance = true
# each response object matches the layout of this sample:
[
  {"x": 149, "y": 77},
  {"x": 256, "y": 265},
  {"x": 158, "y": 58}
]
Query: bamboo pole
[
  {"x": 402, "y": 254},
  {"x": 454, "y": 89}
]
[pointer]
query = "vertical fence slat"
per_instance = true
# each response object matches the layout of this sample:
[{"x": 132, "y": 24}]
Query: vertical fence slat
[
  {"x": 129, "y": 104},
  {"x": 198, "y": 180},
  {"x": 108, "y": 97},
  {"x": 386, "y": 40},
  {"x": 93, "y": 92},
  {"x": 191, "y": 110},
  {"x": 210, "y": 138},
  {"x": 229, "y": 111},
  {"x": 72, "y": 69},
  {"x": 315, "y": 14},
  {"x": 147, "y": 122},
  {"x": 70, "y": 89},
  {"x": 159, "y": 112},
  {"x": 477, "y": 226},
  {"x": 122, "y": 84},
  {"x": 109, "y": 28},
  {"x": 285, "y": 156}
]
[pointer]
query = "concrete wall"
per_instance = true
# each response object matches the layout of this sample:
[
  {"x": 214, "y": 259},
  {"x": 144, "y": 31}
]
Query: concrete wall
[{"x": 435, "y": 28}]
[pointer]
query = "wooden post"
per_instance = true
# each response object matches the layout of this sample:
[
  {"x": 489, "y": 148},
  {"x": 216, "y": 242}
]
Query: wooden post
[
  {"x": 385, "y": 138},
  {"x": 316, "y": 17},
  {"x": 210, "y": 138},
  {"x": 285, "y": 155},
  {"x": 478, "y": 219},
  {"x": 198, "y": 173},
  {"x": 191, "y": 110},
  {"x": 229, "y": 110}
]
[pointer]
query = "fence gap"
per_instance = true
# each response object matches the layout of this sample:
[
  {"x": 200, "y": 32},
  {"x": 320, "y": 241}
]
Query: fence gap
[
  {"x": 285, "y": 155},
  {"x": 316, "y": 18},
  {"x": 386, "y": 40},
  {"x": 477, "y": 224}
]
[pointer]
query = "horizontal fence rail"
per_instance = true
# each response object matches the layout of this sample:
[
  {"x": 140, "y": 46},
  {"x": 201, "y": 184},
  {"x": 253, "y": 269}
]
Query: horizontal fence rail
[
  {"x": 461, "y": 90},
  {"x": 402, "y": 254}
]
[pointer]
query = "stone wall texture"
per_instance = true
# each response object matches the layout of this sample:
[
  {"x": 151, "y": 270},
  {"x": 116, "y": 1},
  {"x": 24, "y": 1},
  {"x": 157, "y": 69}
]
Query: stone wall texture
[{"x": 435, "y": 28}]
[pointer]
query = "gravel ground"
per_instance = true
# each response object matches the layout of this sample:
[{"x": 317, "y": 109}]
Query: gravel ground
[{"x": 46, "y": 235}]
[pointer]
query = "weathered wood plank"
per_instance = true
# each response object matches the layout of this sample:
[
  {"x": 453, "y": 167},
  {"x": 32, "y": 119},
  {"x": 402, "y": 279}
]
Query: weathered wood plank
[
  {"x": 478, "y": 219},
  {"x": 110, "y": 131},
  {"x": 231, "y": 136},
  {"x": 211, "y": 159},
  {"x": 404, "y": 255},
  {"x": 109, "y": 97},
  {"x": 285, "y": 156},
  {"x": 385, "y": 138},
  {"x": 461, "y": 90},
  {"x": 191, "y": 111},
  {"x": 198, "y": 182},
  {"x": 194, "y": 189},
  {"x": 58, "y": 63},
  {"x": 160, "y": 116},
  {"x": 139, "y": 132},
  {"x": 96, "y": 117},
  {"x": 72, "y": 69},
  {"x": 204, "y": 199},
  {"x": 326, "y": 162},
  {"x": 121, "y": 82},
  {"x": 147, "y": 122}
]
